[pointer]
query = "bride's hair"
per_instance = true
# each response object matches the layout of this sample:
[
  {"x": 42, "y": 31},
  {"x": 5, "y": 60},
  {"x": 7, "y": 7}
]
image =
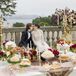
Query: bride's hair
[{"x": 37, "y": 25}]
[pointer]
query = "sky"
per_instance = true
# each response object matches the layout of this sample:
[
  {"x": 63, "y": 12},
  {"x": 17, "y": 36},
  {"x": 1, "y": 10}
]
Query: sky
[{"x": 42, "y": 7}]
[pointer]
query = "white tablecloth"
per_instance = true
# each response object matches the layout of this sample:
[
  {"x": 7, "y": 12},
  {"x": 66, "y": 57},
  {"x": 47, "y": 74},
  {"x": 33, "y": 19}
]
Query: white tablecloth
[
  {"x": 73, "y": 73},
  {"x": 30, "y": 74},
  {"x": 5, "y": 71}
]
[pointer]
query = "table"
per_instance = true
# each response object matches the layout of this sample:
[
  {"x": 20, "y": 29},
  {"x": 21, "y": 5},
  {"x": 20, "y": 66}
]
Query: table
[
  {"x": 65, "y": 70},
  {"x": 6, "y": 70}
]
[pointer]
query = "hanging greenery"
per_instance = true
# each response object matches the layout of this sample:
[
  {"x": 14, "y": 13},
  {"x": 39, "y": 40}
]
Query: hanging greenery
[{"x": 7, "y": 7}]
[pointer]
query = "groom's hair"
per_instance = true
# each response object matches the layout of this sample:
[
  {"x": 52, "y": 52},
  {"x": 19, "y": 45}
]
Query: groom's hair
[
  {"x": 37, "y": 25},
  {"x": 28, "y": 25}
]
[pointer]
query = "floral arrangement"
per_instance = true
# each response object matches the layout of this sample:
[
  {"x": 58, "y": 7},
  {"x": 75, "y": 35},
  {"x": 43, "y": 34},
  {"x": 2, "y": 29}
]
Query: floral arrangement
[
  {"x": 33, "y": 54},
  {"x": 14, "y": 59},
  {"x": 15, "y": 54},
  {"x": 60, "y": 41},
  {"x": 18, "y": 55},
  {"x": 63, "y": 45},
  {"x": 55, "y": 52},
  {"x": 8, "y": 45},
  {"x": 25, "y": 54},
  {"x": 46, "y": 55},
  {"x": 17, "y": 49},
  {"x": 49, "y": 54},
  {"x": 73, "y": 48},
  {"x": 29, "y": 54},
  {"x": 5, "y": 42},
  {"x": 25, "y": 62},
  {"x": 2, "y": 55}
]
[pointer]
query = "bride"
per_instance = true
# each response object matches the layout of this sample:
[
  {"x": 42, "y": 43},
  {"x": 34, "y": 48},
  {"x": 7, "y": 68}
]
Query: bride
[
  {"x": 41, "y": 45},
  {"x": 38, "y": 38}
]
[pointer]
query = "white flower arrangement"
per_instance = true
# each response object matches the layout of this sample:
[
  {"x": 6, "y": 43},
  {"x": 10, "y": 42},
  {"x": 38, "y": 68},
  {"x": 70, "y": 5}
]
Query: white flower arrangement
[
  {"x": 10, "y": 44},
  {"x": 25, "y": 62},
  {"x": 47, "y": 54}
]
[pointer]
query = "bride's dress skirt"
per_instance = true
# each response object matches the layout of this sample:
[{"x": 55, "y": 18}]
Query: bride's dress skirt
[{"x": 42, "y": 46}]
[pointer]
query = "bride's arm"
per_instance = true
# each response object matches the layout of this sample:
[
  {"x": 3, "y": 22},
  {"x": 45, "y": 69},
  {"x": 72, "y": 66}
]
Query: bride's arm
[
  {"x": 33, "y": 38},
  {"x": 42, "y": 36},
  {"x": 44, "y": 42}
]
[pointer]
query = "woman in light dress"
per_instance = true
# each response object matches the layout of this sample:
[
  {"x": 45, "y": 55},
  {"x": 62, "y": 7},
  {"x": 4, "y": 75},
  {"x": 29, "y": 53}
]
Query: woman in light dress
[
  {"x": 38, "y": 38},
  {"x": 41, "y": 45}
]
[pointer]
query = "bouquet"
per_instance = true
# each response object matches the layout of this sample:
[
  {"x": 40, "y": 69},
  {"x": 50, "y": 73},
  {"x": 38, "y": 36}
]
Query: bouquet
[{"x": 73, "y": 48}]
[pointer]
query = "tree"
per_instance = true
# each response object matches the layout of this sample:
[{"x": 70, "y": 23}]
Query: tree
[
  {"x": 43, "y": 24},
  {"x": 54, "y": 20},
  {"x": 42, "y": 21},
  {"x": 7, "y": 7},
  {"x": 17, "y": 24}
]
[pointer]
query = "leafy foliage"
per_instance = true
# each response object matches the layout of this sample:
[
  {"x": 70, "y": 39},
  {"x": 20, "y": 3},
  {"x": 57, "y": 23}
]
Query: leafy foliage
[
  {"x": 17, "y": 24},
  {"x": 42, "y": 21},
  {"x": 56, "y": 19},
  {"x": 71, "y": 16},
  {"x": 7, "y": 7}
]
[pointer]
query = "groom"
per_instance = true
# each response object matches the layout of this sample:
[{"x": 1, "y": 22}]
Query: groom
[{"x": 26, "y": 38}]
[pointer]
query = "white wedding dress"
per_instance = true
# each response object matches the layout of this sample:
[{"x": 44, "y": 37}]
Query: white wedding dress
[{"x": 38, "y": 39}]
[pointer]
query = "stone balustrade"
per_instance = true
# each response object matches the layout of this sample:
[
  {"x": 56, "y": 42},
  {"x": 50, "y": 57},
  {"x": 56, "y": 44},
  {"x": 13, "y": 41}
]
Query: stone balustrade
[{"x": 51, "y": 34}]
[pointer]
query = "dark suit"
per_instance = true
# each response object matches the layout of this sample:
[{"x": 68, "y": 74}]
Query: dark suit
[{"x": 25, "y": 40}]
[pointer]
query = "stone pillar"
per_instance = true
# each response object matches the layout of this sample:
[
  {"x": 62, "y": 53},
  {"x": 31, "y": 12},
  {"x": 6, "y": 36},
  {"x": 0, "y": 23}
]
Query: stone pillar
[{"x": 17, "y": 37}]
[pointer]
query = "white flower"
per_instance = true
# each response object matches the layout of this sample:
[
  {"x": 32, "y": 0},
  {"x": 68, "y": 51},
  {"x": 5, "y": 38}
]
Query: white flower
[
  {"x": 47, "y": 54},
  {"x": 25, "y": 62},
  {"x": 15, "y": 58},
  {"x": 58, "y": 47},
  {"x": 10, "y": 44},
  {"x": 8, "y": 53}
]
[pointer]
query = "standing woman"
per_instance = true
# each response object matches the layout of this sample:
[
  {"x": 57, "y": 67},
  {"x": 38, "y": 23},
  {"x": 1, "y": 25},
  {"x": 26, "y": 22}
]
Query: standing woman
[{"x": 26, "y": 39}]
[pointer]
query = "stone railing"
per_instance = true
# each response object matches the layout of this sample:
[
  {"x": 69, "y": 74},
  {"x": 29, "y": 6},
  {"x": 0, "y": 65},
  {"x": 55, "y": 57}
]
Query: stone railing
[{"x": 51, "y": 34}]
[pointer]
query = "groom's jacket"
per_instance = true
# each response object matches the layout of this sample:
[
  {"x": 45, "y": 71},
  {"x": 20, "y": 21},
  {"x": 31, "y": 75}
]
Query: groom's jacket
[{"x": 26, "y": 39}]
